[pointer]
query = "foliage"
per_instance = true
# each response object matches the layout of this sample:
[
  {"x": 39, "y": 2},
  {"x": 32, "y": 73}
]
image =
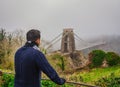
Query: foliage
[
  {"x": 96, "y": 57},
  {"x": 112, "y": 58},
  {"x": 110, "y": 81},
  {"x": 5, "y": 49},
  {"x": 46, "y": 83},
  {"x": 2, "y": 48},
  {"x": 92, "y": 77},
  {"x": 44, "y": 51},
  {"x": 94, "y": 74},
  {"x": 8, "y": 44},
  {"x": 7, "y": 80},
  {"x": 2, "y": 34},
  {"x": 61, "y": 64}
]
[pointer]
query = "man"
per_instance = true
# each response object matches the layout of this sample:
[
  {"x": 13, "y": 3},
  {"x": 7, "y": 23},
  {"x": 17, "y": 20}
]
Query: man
[{"x": 30, "y": 62}]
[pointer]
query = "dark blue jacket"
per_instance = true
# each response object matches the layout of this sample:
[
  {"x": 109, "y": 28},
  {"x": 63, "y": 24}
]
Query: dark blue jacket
[{"x": 29, "y": 63}]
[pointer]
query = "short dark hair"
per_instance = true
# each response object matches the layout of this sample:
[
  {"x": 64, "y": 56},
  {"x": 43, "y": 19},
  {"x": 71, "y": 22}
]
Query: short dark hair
[{"x": 33, "y": 35}]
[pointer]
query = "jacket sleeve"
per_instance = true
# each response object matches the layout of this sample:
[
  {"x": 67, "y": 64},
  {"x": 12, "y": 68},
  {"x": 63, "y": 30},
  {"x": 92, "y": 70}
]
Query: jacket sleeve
[{"x": 44, "y": 65}]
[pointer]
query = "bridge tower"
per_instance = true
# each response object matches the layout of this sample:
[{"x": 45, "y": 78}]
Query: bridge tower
[{"x": 68, "y": 41}]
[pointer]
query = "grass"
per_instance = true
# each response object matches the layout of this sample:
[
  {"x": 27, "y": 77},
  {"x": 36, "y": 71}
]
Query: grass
[
  {"x": 91, "y": 76},
  {"x": 95, "y": 74}
]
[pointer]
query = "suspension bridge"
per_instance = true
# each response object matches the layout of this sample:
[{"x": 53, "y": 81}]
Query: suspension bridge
[{"x": 69, "y": 39}]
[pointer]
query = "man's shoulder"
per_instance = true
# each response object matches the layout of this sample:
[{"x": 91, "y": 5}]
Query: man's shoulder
[
  {"x": 36, "y": 50},
  {"x": 29, "y": 49}
]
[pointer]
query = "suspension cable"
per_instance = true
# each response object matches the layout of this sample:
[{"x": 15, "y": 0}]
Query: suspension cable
[{"x": 56, "y": 41}]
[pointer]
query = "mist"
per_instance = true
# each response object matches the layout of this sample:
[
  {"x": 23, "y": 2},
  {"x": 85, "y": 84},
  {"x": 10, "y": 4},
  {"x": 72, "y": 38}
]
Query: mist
[{"x": 88, "y": 18}]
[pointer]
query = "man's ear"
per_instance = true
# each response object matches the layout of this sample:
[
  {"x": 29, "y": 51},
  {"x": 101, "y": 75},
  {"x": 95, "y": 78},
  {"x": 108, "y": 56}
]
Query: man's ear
[{"x": 38, "y": 41}]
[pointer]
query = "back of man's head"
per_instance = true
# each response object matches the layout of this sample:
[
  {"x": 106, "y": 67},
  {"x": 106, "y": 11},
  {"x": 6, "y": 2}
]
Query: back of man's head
[{"x": 33, "y": 35}]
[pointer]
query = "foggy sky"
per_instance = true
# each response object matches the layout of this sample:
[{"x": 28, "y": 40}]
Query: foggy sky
[{"x": 88, "y": 18}]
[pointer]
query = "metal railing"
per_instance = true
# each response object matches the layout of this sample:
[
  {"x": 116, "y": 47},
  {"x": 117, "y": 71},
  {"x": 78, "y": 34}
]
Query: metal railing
[{"x": 76, "y": 83}]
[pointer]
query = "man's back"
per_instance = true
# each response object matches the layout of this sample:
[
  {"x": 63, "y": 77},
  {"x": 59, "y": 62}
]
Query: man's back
[{"x": 26, "y": 70}]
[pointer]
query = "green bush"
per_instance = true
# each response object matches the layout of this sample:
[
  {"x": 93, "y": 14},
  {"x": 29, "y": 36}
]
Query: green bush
[
  {"x": 112, "y": 58},
  {"x": 46, "y": 83},
  {"x": 7, "y": 80},
  {"x": 96, "y": 57}
]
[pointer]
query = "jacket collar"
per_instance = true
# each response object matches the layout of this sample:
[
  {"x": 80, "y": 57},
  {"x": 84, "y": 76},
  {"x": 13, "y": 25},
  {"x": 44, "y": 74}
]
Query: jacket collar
[{"x": 36, "y": 47}]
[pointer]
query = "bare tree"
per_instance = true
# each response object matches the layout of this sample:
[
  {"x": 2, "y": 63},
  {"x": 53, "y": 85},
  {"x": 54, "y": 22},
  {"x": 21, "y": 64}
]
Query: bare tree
[
  {"x": 19, "y": 37},
  {"x": 2, "y": 34}
]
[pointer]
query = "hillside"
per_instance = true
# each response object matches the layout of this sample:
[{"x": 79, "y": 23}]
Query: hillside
[{"x": 111, "y": 43}]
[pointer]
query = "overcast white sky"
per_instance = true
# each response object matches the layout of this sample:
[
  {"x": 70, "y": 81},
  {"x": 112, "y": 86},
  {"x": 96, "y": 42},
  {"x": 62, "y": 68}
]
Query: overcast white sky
[{"x": 89, "y": 18}]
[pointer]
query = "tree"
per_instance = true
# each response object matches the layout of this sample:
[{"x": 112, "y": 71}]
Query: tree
[
  {"x": 6, "y": 49},
  {"x": 2, "y": 34},
  {"x": 112, "y": 58},
  {"x": 2, "y": 38},
  {"x": 96, "y": 58},
  {"x": 19, "y": 37},
  {"x": 61, "y": 63}
]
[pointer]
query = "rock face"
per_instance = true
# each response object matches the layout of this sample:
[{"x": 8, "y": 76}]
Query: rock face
[
  {"x": 73, "y": 60},
  {"x": 104, "y": 64},
  {"x": 77, "y": 59}
]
